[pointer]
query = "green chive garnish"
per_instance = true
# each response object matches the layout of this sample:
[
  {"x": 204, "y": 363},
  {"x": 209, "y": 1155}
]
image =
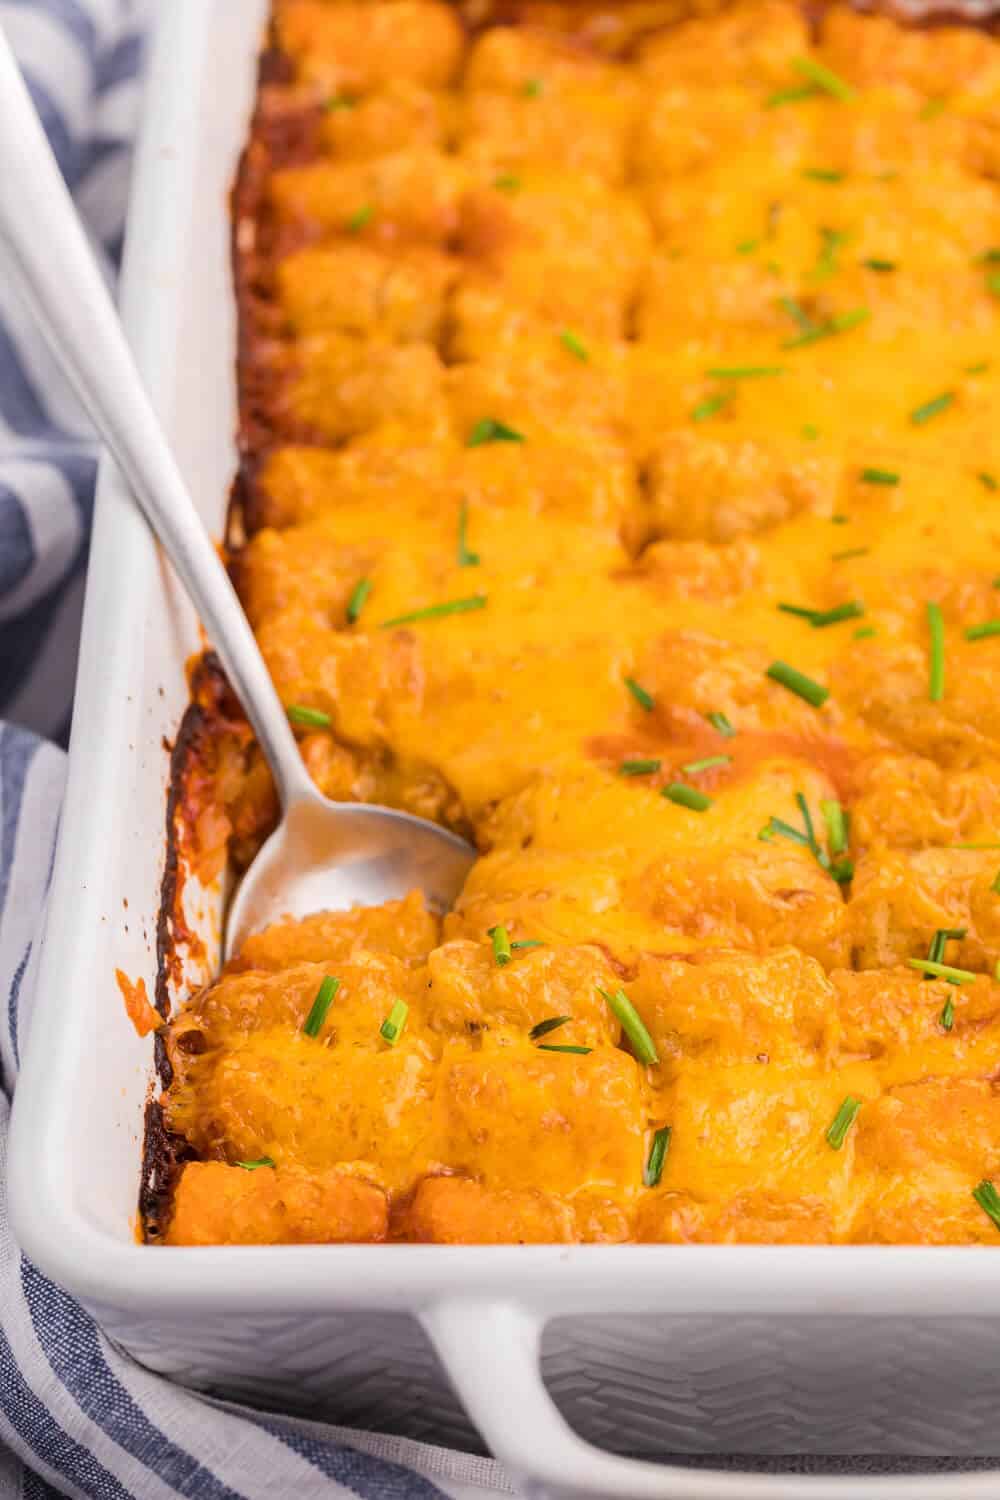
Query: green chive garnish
[
  {"x": 978, "y": 369},
  {"x": 832, "y": 241},
  {"x": 335, "y": 102},
  {"x": 935, "y": 624},
  {"x": 941, "y": 971},
  {"x": 932, "y": 109},
  {"x": 879, "y": 265},
  {"x": 360, "y": 218},
  {"x": 359, "y": 594},
  {"x": 879, "y": 476},
  {"x": 436, "y": 611},
  {"x": 791, "y": 96},
  {"x": 835, "y": 819},
  {"x": 653, "y": 1169},
  {"x": 694, "y": 766},
  {"x": 392, "y": 1027},
  {"x": 822, "y": 174},
  {"x": 721, "y": 725},
  {"x": 947, "y": 1015},
  {"x": 575, "y": 345},
  {"x": 581, "y": 1051},
  {"x": 940, "y": 940},
  {"x": 797, "y": 313},
  {"x": 840, "y": 323},
  {"x": 987, "y": 481},
  {"x": 308, "y": 718},
  {"x": 533, "y": 88},
  {"x": 488, "y": 430},
  {"x": 744, "y": 372},
  {"x": 851, "y": 552},
  {"x": 798, "y": 683},
  {"x": 632, "y": 1025},
  {"x": 865, "y": 633},
  {"x": 507, "y": 182},
  {"x": 824, "y": 78},
  {"x": 747, "y": 247},
  {"x": 980, "y": 632},
  {"x": 466, "y": 559},
  {"x": 644, "y": 699},
  {"x": 261, "y": 1161},
  {"x": 852, "y": 610},
  {"x": 845, "y": 1117},
  {"x": 988, "y": 1199},
  {"x": 687, "y": 796},
  {"x": 638, "y": 767},
  {"x": 527, "y": 943},
  {"x": 810, "y": 432},
  {"x": 320, "y": 1006},
  {"x": 931, "y": 409},
  {"x": 501, "y": 944},
  {"x": 542, "y": 1028},
  {"x": 710, "y": 406},
  {"x": 995, "y": 887}
]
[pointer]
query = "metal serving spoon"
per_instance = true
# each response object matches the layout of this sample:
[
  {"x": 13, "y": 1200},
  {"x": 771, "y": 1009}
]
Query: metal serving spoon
[{"x": 323, "y": 855}]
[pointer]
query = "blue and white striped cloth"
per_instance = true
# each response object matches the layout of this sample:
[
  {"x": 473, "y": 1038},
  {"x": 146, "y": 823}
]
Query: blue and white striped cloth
[{"x": 76, "y": 1416}]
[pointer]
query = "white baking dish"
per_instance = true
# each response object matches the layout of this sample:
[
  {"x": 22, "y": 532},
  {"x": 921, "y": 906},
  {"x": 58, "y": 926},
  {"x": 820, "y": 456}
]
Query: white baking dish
[{"x": 649, "y": 1350}]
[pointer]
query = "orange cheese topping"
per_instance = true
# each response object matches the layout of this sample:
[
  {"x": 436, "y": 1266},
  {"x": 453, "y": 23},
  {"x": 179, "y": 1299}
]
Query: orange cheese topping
[{"x": 634, "y": 333}]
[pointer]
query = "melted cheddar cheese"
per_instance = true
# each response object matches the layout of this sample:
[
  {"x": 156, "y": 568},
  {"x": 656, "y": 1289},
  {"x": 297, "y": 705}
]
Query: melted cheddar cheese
[{"x": 656, "y": 359}]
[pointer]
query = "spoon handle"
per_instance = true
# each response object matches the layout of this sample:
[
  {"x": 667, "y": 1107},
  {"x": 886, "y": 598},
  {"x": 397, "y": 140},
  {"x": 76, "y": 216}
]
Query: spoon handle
[{"x": 40, "y": 230}]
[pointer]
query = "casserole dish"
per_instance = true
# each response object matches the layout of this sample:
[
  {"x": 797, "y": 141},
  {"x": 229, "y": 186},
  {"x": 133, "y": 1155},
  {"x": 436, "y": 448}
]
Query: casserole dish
[{"x": 647, "y": 1350}]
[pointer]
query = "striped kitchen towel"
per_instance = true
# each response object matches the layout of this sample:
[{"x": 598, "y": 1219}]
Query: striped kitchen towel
[{"x": 76, "y": 1416}]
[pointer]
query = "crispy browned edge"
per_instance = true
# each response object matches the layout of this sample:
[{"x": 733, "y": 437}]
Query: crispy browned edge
[{"x": 272, "y": 142}]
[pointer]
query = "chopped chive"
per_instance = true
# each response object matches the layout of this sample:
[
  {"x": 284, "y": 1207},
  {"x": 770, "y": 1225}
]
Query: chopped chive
[
  {"x": 995, "y": 887},
  {"x": 710, "y": 406},
  {"x": 845, "y": 1117},
  {"x": 840, "y": 323},
  {"x": 686, "y": 796},
  {"x": 436, "y": 611},
  {"x": 694, "y": 766},
  {"x": 947, "y": 1017},
  {"x": 639, "y": 767},
  {"x": 811, "y": 432},
  {"x": 990, "y": 257},
  {"x": 632, "y": 1025},
  {"x": 488, "y": 430},
  {"x": 644, "y": 699},
  {"x": 581, "y": 1051},
  {"x": 721, "y": 725},
  {"x": 987, "y": 480},
  {"x": 653, "y": 1170},
  {"x": 797, "y": 313},
  {"x": 824, "y": 78},
  {"x": 852, "y": 610},
  {"x": 542, "y": 1028},
  {"x": 865, "y": 633},
  {"x": 778, "y": 825},
  {"x": 803, "y": 807},
  {"x": 879, "y": 476},
  {"x": 988, "y": 1199},
  {"x": 360, "y": 218},
  {"x": 931, "y": 408},
  {"x": 980, "y": 632},
  {"x": 798, "y": 683},
  {"x": 826, "y": 264},
  {"x": 978, "y": 369},
  {"x": 392, "y": 1027},
  {"x": 972, "y": 846},
  {"x": 935, "y": 624},
  {"x": 822, "y": 174},
  {"x": 320, "y": 1006},
  {"x": 507, "y": 182},
  {"x": 747, "y": 247},
  {"x": 932, "y": 109},
  {"x": 500, "y": 939},
  {"x": 941, "y": 971},
  {"x": 575, "y": 345},
  {"x": 797, "y": 609},
  {"x": 836, "y": 824},
  {"x": 308, "y": 718},
  {"x": 791, "y": 95},
  {"x": 993, "y": 283},
  {"x": 744, "y": 372},
  {"x": 527, "y": 943},
  {"x": 338, "y": 101},
  {"x": 359, "y": 595},
  {"x": 851, "y": 552},
  {"x": 874, "y": 264},
  {"x": 533, "y": 88},
  {"x": 260, "y": 1161},
  {"x": 466, "y": 558}
]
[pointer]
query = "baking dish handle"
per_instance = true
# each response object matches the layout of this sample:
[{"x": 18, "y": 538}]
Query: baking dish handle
[{"x": 491, "y": 1350}]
